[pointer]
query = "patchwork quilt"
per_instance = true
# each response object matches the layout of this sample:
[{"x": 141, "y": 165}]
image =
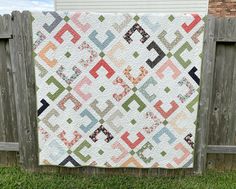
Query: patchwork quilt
[{"x": 117, "y": 90}]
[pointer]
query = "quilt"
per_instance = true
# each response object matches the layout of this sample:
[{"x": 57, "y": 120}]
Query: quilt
[{"x": 117, "y": 90}]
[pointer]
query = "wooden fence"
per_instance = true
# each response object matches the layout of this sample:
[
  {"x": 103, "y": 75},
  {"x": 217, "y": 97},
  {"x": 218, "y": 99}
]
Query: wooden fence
[{"x": 216, "y": 113}]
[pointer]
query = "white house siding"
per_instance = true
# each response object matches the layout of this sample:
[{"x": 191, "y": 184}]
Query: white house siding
[{"x": 160, "y": 6}]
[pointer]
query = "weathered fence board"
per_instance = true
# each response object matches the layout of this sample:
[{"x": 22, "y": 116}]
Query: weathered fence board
[
  {"x": 9, "y": 146},
  {"x": 24, "y": 89},
  {"x": 12, "y": 130},
  {"x": 3, "y": 95},
  {"x": 205, "y": 96},
  {"x": 5, "y": 36},
  {"x": 7, "y": 102},
  {"x": 222, "y": 149}
]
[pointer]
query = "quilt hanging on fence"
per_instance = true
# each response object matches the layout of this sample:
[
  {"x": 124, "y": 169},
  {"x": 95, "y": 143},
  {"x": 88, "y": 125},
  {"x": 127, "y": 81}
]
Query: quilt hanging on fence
[{"x": 117, "y": 90}]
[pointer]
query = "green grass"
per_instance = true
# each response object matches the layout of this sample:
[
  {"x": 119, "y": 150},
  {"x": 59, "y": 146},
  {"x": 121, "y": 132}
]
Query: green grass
[{"x": 14, "y": 178}]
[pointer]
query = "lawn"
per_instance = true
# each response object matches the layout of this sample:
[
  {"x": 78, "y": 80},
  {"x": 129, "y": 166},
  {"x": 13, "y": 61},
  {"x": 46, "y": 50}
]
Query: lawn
[{"x": 14, "y": 178}]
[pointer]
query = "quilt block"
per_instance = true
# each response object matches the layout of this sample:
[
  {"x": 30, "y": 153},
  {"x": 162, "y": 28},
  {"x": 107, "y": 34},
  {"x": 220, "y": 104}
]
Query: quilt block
[{"x": 117, "y": 90}]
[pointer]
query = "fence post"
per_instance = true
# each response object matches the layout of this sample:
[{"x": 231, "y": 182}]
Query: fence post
[
  {"x": 207, "y": 71},
  {"x": 24, "y": 87}
]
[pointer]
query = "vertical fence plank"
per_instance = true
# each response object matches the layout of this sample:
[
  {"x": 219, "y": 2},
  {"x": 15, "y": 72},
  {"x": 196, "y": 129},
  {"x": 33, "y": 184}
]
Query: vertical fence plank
[
  {"x": 231, "y": 114},
  {"x": 23, "y": 89},
  {"x": 11, "y": 129},
  {"x": 18, "y": 75},
  {"x": 221, "y": 89},
  {"x": 211, "y": 157},
  {"x": 3, "y": 155},
  {"x": 205, "y": 96},
  {"x": 217, "y": 134},
  {"x": 31, "y": 88}
]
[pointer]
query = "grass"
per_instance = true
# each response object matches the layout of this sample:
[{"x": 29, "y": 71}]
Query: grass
[{"x": 14, "y": 178}]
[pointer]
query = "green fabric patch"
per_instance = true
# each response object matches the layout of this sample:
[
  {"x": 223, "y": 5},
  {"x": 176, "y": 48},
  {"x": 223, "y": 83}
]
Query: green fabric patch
[
  {"x": 101, "y": 18},
  {"x": 135, "y": 55},
  {"x": 171, "y": 18}
]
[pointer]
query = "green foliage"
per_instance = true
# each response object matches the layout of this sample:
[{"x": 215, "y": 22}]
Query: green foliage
[{"x": 14, "y": 178}]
